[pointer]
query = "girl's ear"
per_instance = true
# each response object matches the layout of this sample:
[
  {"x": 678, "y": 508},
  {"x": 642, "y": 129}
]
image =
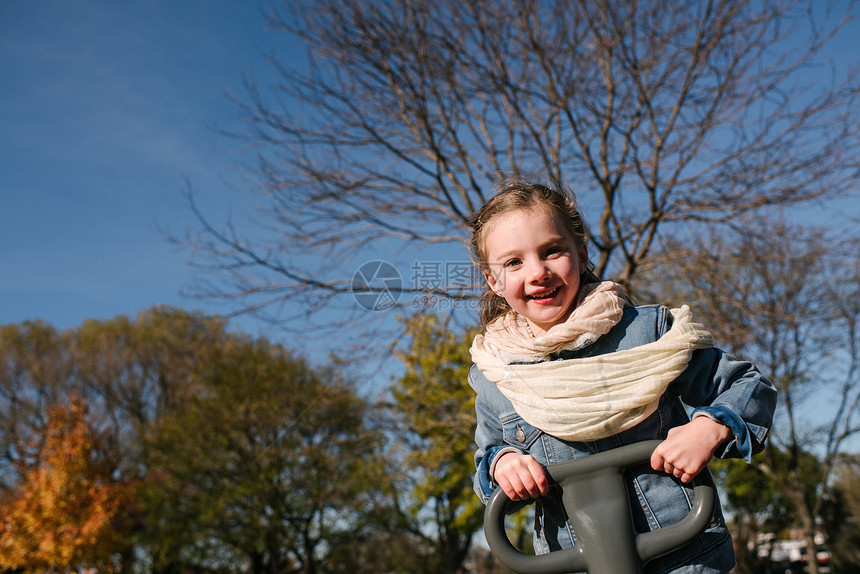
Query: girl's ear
[{"x": 492, "y": 283}]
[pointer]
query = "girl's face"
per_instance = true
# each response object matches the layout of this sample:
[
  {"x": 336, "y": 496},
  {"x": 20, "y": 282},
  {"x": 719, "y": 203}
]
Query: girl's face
[{"x": 534, "y": 264}]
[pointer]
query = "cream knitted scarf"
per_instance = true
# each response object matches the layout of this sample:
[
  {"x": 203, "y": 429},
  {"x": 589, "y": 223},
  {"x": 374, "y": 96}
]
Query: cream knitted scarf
[{"x": 592, "y": 397}]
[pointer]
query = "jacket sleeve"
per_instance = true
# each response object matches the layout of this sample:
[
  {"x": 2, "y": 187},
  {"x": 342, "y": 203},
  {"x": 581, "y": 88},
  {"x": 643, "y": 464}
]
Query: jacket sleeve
[
  {"x": 488, "y": 433},
  {"x": 732, "y": 392},
  {"x": 488, "y": 436}
]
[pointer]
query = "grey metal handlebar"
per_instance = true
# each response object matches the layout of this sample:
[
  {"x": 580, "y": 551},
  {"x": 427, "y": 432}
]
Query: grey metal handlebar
[{"x": 595, "y": 498}]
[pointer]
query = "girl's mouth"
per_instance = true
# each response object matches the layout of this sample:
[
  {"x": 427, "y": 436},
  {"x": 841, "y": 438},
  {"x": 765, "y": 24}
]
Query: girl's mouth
[{"x": 543, "y": 295}]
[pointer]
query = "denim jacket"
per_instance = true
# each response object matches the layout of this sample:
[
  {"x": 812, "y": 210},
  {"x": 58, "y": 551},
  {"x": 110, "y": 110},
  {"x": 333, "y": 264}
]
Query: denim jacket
[{"x": 714, "y": 384}]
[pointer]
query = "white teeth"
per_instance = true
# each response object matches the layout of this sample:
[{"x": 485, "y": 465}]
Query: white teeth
[{"x": 545, "y": 294}]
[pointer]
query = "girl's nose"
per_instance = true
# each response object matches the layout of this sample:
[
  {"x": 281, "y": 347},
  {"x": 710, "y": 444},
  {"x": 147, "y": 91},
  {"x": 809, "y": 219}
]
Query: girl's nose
[{"x": 538, "y": 271}]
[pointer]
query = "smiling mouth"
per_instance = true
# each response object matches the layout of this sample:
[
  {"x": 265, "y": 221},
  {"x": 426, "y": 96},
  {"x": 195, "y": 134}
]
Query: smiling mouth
[{"x": 544, "y": 294}]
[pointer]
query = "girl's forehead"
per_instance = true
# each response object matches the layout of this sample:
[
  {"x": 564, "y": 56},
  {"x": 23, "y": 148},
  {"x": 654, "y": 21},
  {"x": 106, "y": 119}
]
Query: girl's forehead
[
  {"x": 540, "y": 214},
  {"x": 506, "y": 230}
]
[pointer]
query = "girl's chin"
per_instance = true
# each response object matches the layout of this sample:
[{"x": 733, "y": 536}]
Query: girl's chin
[
  {"x": 543, "y": 323},
  {"x": 544, "y": 317}
]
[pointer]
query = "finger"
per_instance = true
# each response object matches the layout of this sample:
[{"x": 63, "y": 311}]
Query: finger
[
  {"x": 530, "y": 488},
  {"x": 515, "y": 495},
  {"x": 657, "y": 460},
  {"x": 538, "y": 475},
  {"x": 522, "y": 491},
  {"x": 509, "y": 487},
  {"x": 543, "y": 485},
  {"x": 691, "y": 473}
]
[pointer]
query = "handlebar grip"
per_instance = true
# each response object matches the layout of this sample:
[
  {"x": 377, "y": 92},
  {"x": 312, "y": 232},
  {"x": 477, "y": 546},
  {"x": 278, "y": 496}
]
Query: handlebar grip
[
  {"x": 595, "y": 498},
  {"x": 567, "y": 560}
]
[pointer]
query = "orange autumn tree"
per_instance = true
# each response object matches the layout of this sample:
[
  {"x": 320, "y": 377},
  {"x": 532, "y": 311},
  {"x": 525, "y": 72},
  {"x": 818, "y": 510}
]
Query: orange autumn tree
[{"x": 59, "y": 518}]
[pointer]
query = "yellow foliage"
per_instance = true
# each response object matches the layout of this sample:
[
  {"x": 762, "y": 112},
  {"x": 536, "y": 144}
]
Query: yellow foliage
[{"x": 60, "y": 516}]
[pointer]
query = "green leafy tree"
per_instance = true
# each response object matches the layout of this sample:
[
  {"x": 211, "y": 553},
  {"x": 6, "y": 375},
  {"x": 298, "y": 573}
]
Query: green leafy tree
[
  {"x": 243, "y": 452},
  {"x": 128, "y": 371},
  {"x": 843, "y": 517},
  {"x": 142, "y": 368},
  {"x": 269, "y": 467},
  {"x": 436, "y": 407},
  {"x": 753, "y": 502},
  {"x": 759, "y": 506}
]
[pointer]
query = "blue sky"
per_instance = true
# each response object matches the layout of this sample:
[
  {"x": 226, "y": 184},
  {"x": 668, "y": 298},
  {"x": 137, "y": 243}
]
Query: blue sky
[{"x": 106, "y": 107}]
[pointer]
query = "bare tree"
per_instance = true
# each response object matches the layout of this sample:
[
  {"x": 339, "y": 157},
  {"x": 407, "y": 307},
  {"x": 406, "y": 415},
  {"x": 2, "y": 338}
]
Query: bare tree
[
  {"x": 788, "y": 298},
  {"x": 392, "y": 131}
]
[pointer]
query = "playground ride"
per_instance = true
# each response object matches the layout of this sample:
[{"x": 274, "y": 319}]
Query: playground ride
[{"x": 595, "y": 499}]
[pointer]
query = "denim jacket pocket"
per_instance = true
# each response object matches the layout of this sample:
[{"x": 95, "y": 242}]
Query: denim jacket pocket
[{"x": 517, "y": 432}]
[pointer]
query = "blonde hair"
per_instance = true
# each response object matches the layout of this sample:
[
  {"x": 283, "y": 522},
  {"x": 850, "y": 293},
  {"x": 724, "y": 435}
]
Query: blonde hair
[{"x": 522, "y": 193}]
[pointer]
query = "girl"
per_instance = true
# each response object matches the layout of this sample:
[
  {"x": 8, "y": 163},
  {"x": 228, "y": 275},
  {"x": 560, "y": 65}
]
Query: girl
[{"x": 566, "y": 367}]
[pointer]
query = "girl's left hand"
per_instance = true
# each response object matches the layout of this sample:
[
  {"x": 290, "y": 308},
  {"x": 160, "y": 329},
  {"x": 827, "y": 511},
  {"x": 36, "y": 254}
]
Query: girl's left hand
[{"x": 689, "y": 448}]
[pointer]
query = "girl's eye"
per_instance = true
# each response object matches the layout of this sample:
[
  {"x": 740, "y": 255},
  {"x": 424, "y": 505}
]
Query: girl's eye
[
  {"x": 513, "y": 263},
  {"x": 554, "y": 250}
]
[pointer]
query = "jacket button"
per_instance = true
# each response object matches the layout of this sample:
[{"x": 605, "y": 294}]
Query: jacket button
[{"x": 520, "y": 436}]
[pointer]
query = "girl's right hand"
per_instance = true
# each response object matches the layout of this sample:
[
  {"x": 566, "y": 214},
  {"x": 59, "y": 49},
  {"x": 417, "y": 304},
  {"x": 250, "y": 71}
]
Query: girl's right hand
[{"x": 520, "y": 476}]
